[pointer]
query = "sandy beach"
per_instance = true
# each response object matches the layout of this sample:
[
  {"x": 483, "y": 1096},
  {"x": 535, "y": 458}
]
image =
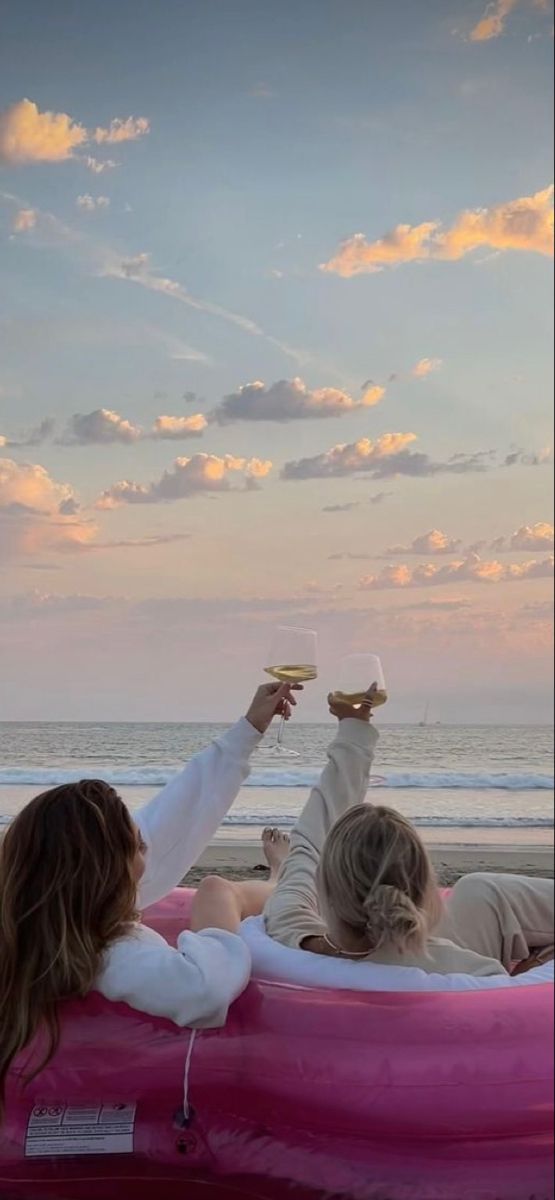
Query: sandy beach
[{"x": 239, "y": 859}]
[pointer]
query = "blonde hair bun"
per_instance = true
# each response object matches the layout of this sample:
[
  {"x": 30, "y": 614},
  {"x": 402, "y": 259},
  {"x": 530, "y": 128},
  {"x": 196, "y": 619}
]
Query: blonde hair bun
[{"x": 393, "y": 918}]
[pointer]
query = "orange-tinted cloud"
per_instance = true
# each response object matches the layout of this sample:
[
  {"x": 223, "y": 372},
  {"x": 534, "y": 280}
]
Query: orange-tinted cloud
[
  {"x": 471, "y": 570},
  {"x": 38, "y": 514},
  {"x": 385, "y": 458},
  {"x": 433, "y": 542},
  {"x": 525, "y": 224},
  {"x": 527, "y": 538},
  {"x": 492, "y": 24},
  {"x": 30, "y": 136},
  {"x": 24, "y": 220},
  {"x": 290, "y": 400},
  {"x": 103, "y": 427},
  {"x": 425, "y": 367},
  {"x": 27, "y": 135},
  {"x": 189, "y": 476},
  {"x": 173, "y": 428}
]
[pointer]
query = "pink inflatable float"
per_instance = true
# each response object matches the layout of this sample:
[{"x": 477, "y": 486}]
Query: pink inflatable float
[{"x": 307, "y": 1093}]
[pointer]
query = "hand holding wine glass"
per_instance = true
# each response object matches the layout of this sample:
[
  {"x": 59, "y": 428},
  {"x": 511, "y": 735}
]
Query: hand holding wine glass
[
  {"x": 357, "y": 671},
  {"x": 269, "y": 700},
  {"x": 291, "y": 659}
]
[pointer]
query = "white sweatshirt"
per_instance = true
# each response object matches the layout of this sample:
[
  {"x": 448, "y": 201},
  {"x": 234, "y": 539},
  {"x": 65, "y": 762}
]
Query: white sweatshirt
[{"x": 195, "y": 983}]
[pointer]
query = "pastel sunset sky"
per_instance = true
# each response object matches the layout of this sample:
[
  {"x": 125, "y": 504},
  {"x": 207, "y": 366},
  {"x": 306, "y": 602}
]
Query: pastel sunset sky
[{"x": 275, "y": 348}]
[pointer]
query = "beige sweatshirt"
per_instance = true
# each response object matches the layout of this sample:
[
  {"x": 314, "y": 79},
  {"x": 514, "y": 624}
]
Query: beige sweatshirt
[{"x": 292, "y": 913}]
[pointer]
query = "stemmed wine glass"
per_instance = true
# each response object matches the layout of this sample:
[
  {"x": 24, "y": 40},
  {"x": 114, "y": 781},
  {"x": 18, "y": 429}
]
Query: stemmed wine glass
[
  {"x": 291, "y": 659},
  {"x": 356, "y": 674}
]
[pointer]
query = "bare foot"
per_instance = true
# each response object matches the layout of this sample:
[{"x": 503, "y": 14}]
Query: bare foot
[{"x": 275, "y": 845}]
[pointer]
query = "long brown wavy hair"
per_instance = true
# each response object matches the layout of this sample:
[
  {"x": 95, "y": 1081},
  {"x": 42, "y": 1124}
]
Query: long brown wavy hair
[{"x": 67, "y": 889}]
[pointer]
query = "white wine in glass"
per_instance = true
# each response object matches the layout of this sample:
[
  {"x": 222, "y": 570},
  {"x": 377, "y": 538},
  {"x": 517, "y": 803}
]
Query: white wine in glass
[
  {"x": 357, "y": 673},
  {"x": 291, "y": 659}
]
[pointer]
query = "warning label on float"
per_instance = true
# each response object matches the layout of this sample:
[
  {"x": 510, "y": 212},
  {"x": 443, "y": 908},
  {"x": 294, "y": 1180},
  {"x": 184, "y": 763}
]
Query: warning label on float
[{"x": 57, "y": 1129}]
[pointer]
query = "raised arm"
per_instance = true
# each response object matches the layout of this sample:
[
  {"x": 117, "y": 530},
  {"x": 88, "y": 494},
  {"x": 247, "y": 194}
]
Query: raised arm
[
  {"x": 292, "y": 914},
  {"x": 180, "y": 821}
]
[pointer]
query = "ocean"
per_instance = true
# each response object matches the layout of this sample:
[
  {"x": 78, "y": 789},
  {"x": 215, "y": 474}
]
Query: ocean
[{"x": 467, "y": 783}]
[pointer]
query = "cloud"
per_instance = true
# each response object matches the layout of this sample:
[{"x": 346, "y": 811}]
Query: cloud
[
  {"x": 525, "y": 458},
  {"x": 433, "y": 542},
  {"x": 425, "y": 367},
  {"x": 173, "y": 428},
  {"x": 100, "y": 427},
  {"x": 385, "y": 458},
  {"x": 379, "y": 497},
  {"x": 33, "y": 437},
  {"x": 525, "y": 224},
  {"x": 98, "y": 165},
  {"x": 492, "y": 24},
  {"x": 119, "y": 130},
  {"x": 289, "y": 400},
  {"x": 341, "y": 508},
  {"x": 92, "y": 203},
  {"x": 24, "y": 220},
  {"x": 30, "y": 136},
  {"x": 471, "y": 570},
  {"x": 138, "y": 270},
  {"x": 105, "y": 427},
  {"x": 435, "y": 604},
  {"x": 37, "y": 514},
  {"x": 189, "y": 476},
  {"x": 527, "y": 538},
  {"x": 35, "y": 604},
  {"x": 27, "y": 135}
]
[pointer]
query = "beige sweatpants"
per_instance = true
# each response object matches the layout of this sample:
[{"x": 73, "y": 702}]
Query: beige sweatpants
[{"x": 500, "y": 916}]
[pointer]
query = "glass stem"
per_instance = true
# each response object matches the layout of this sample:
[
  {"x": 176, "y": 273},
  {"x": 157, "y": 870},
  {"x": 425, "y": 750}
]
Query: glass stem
[{"x": 280, "y": 732}]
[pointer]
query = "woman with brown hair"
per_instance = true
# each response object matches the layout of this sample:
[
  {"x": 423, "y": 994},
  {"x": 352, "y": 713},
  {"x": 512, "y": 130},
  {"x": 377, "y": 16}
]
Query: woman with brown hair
[{"x": 75, "y": 871}]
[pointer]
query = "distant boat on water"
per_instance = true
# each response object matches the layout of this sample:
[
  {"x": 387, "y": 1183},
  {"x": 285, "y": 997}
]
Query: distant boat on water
[{"x": 422, "y": 724}]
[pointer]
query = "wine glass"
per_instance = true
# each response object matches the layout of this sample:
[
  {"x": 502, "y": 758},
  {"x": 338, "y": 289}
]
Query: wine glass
[
  {"x": 291, "y": 659},
  {"x": 357, "y": 673}
]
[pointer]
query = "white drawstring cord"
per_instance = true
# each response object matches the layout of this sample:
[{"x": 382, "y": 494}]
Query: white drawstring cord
[{"x": 190, "y": 1048}]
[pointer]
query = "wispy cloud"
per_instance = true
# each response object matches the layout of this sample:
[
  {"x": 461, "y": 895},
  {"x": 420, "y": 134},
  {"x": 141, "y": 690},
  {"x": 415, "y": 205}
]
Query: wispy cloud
[
  {"x": 32, "y": 437},
  {"x": 290, "y": 400},
  {"x": 426, "y": 367},
  {"x": 138, "y": 270},
  {"x": 24, "y": 220},
  {"x": 91, "y": 204},
  {"x": 30, "y": 136},
  {"x": 385, "y": 458},
  {"x": 525, "y": 224},
  {"x": 120, "y": 130},
  {"x": 492, "y": 24},
  {"x": 188, "y": 477},
  {"x": 98, "y": 166}
]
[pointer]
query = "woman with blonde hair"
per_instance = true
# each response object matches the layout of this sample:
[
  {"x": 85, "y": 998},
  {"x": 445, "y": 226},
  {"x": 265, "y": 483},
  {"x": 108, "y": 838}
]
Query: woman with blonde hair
[
  {"x": 75, "y": 871},
  {"x": 358, "y": 882}
]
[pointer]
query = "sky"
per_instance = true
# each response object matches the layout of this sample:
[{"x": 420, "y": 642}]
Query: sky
[{"x": 275, "y": 349}]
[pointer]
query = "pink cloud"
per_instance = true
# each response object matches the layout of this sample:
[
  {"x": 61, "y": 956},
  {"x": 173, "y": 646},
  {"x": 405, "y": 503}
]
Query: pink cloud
[
  {"x": 188, "y": 477},
  {"x": 471, "y": 569}
]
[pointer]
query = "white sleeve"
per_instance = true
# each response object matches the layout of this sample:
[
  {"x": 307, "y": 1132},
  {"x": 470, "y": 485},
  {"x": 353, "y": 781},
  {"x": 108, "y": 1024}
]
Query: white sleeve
[
  {"x": 193, "y": 985},
  {"x": 292, "y": 912},
  {"x": 179, "y": 822}
]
